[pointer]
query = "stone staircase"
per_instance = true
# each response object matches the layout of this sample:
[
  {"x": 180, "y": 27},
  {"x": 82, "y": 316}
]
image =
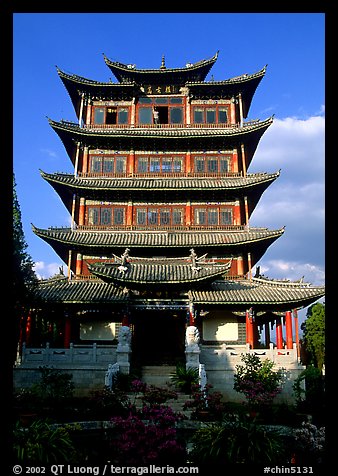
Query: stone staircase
[{"x": 158, "y": 375}]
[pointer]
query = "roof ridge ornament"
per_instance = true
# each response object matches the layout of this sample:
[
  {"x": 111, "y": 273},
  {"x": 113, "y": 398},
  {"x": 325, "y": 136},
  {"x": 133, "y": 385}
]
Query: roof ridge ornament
[{"x": 163, "y": 66}]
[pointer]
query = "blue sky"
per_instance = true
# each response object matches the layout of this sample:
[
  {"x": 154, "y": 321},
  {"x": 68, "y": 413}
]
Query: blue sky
[{"x": 291, "y": 44}]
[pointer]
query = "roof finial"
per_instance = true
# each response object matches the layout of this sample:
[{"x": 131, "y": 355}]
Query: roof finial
[{"x": 163, "y": 66}]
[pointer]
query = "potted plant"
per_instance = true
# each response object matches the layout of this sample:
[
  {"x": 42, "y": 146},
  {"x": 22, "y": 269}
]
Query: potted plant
[{"x": 185, "y": 378}]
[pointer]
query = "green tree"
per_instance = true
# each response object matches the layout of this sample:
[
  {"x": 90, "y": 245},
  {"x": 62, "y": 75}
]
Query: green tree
[
  {"x": 24, "y": 277},
  {"x": 314, "y": 334}
]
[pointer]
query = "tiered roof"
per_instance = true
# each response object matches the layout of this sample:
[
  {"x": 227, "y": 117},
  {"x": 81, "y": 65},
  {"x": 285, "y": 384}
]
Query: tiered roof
[
  {"x": 147, "y": 242},
  {"x": 130, "y": 282},
  {"x": 157, "y": 137},
  {"x": 104, "y": 187},
  {"x": 264, "y": 294}
]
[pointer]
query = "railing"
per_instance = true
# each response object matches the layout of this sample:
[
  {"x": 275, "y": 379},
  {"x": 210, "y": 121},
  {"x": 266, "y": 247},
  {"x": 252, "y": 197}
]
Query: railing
[
  {"x": 76, "y": 355},
  {"x": 159, "y": 175},
  {"x": 164, "y": 126},
  {"x": 230, "y": 355},
  {"x": 163, "y": 228}
]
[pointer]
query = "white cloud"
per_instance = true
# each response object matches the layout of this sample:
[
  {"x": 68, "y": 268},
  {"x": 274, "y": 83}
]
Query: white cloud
[
  {"x": 293, "y": 270},
  {"x": 46, "y": 270},
  {"x": 296, "y": 199}
]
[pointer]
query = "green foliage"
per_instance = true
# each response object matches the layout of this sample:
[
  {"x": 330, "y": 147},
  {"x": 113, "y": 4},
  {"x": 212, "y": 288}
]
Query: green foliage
[
  {"x": 106, "y": 403},
  {"x": 309, "y": 390},
  {"x": 236, "y": 440},
  {"x": 257, "y": 380},
  {"x": 42, "y": 443},
  {"x": 24, "y": 274},
  {"x": 314, "y": 334},
  {"x": 185, "y": 378},
  {"x": 54, "y": 386}
]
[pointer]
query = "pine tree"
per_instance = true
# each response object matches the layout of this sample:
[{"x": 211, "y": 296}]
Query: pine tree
[{"x": 24, "y": 277}]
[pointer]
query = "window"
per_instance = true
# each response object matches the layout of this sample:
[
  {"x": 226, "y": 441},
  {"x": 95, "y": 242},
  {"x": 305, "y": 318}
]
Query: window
[
  {"x": 159, "y": 216},
  {"x": 224, "y": 164},
  {"x": 159, "y": 164},
  {"x": 176, "y": 115},
  {"x": 105, "y": 216},
  {"x": 210, "y": 114},
  {"x": 199, "y": 164},
  {"x": 160, "y": 110},
  {"x": 141, "y": 216},
  {"x": 99, "y": 115},
  {"x": 108, "y": 165},
  {"x": 167, "y": 165},
  {"x": 120, "y": 165},
  {"x": 212, "y": 216},
  {"x": 178, "y": 165},
  {"x": 154, "y": 165},
  {"x": 122, "y": 116},
  {"x": 177, "y": 216},
  {"x": 212, "y": 165},
  {"x": 200, "y": 216},
  {"x": 198, "y": 115},
  {"x": 118, "y": 216},
  {"x": 145, "y": 115},
  {"x": 96, "y": 164},
  {"x": 111, "y": 115},
  {"x": 152, "y": 216},
  {"x": 222, "y": 115},
  {"x": 226, "y": 216},
  {"x": 164, "y": 216},
  {"x": 142, "y": 164},
  {"x": 93, "y": 216}
]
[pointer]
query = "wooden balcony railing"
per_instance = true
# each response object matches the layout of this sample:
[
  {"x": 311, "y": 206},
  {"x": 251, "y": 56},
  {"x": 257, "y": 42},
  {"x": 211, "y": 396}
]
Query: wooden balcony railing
[
  {"x": 160, "y": 174},
  {"x": 161, "y": 228},
  {"x": 162, "y": 126}
]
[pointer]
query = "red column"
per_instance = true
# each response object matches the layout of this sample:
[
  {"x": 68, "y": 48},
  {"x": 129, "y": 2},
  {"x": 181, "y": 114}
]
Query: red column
[
  {"x": 191, "y": 314},
  {"x": 67, "y": 333},
  {"x": 78, "y": 269},
  {"x": 249, "y": 329},
  {"x": 129, "y": 217},
  {"x": 188, "y": 213},
  {"x": 288, "y": 330},
  {"x": 279, "y": 333},
  {"x": 82, "y": 211},
  {"x": 125, "y": 320},
  {"x": 131, "y": 163},
  {"x": 28, "y": 328}
]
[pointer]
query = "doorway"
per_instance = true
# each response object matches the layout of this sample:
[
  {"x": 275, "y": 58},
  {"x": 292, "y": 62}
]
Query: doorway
[{"x": 158, "y": 337}]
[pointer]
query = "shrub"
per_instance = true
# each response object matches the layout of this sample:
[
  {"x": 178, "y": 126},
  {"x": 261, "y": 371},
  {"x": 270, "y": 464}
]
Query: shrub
[
  {"x": 310, "y": 398},
  {"x": 42, "y": 443},
  {"x": 185, "y": 378},
  {"x": 147, "y": 438},
  {"x": 257, "y": 380},
  {"x": 236, "y": 440},
  {"x": 203, "y": 400},
  {"x": 309, "y": 444},
  {"x": 105, "y": 403},
  {"x": 54, "y": 385}
]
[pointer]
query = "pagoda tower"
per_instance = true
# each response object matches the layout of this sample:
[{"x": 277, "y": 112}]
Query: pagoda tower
[{"x": 160, "y": 203}]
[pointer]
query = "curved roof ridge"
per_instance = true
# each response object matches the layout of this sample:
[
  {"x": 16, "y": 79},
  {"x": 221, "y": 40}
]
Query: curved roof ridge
[{"x": 132, "y": 67}]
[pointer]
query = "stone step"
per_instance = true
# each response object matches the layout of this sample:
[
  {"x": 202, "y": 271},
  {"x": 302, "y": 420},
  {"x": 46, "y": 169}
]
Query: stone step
[{"x": 158, "y": 375}]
